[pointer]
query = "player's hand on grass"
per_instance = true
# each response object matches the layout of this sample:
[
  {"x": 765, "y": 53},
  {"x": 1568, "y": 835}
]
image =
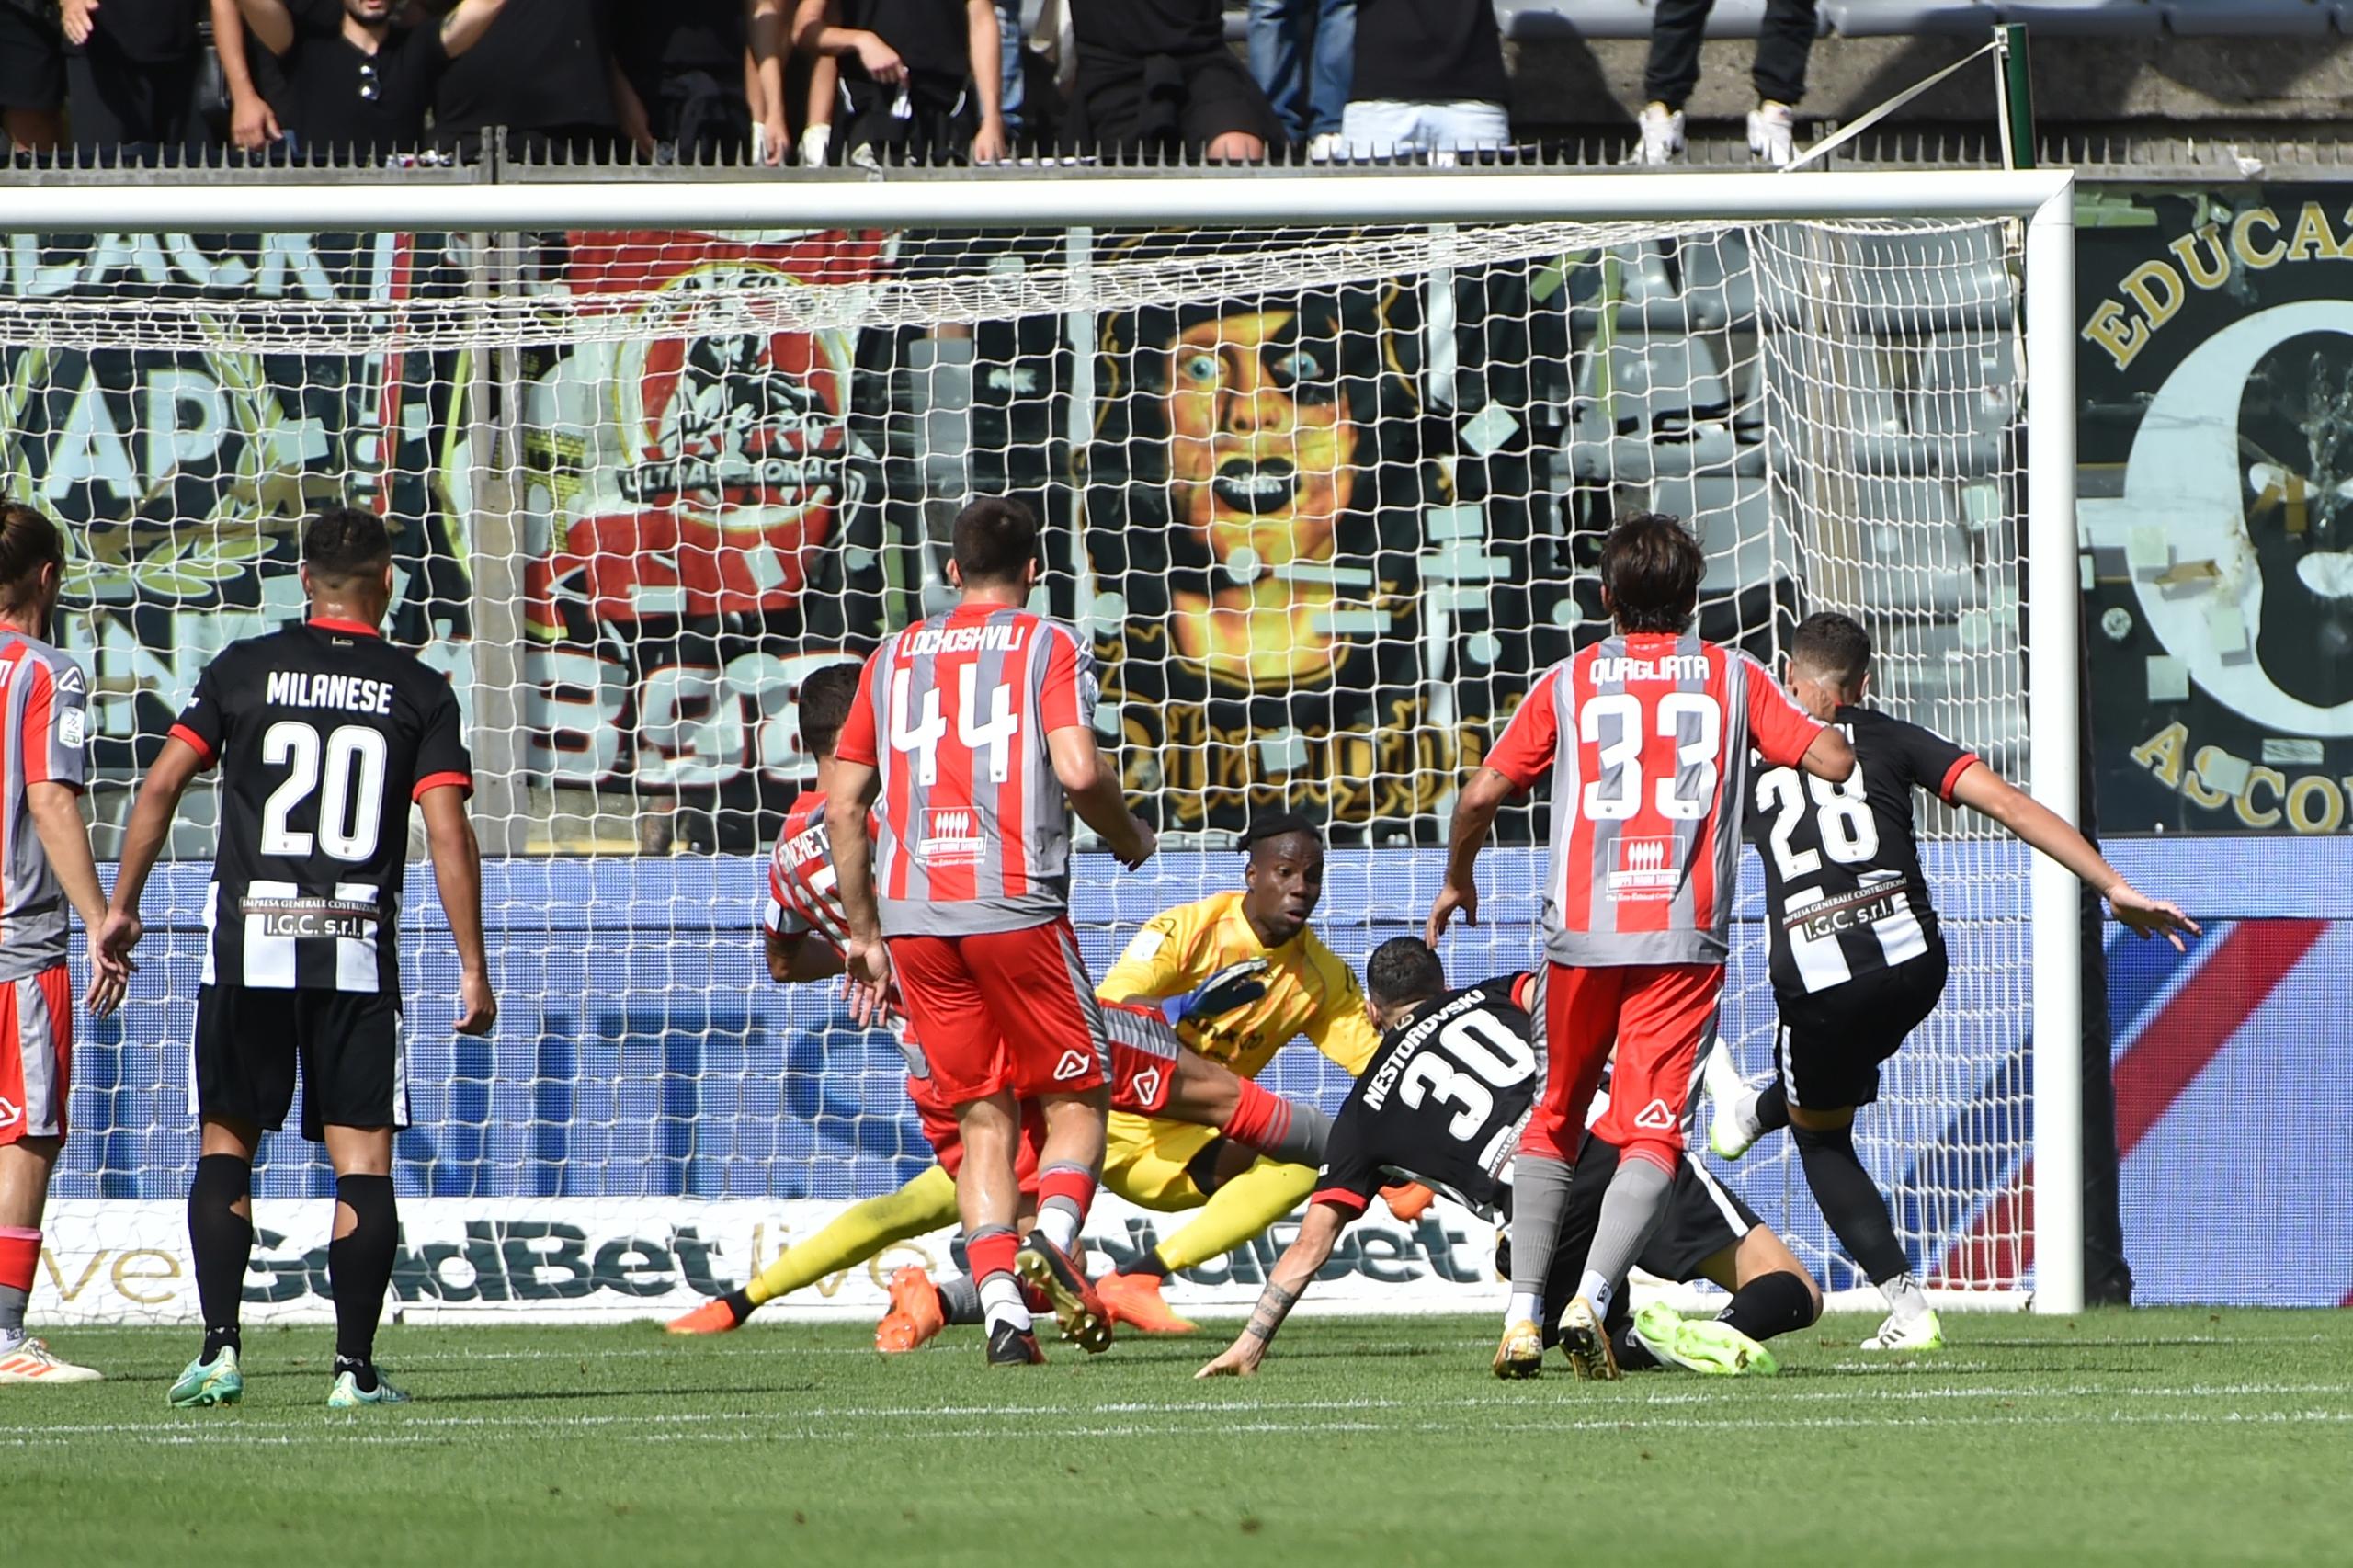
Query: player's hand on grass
[
  {"x": 1450, "y": 898},
  {"x": 1239, "y": 1360},
  {"x": 2150, "y": 916},
  {"x": 477, "y": 1006}
]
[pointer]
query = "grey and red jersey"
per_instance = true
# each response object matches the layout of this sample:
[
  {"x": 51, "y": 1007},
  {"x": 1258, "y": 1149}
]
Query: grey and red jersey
[
  {"x": 44, "y": 725},
  {"x": 953, "y": 713},
  {"x": 804, "y": 892},
  {"x": 1647, "y": 737}
]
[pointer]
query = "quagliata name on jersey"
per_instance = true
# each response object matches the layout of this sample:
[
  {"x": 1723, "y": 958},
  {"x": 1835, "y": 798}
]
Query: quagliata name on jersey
[{"x": 1624, "y": 669}]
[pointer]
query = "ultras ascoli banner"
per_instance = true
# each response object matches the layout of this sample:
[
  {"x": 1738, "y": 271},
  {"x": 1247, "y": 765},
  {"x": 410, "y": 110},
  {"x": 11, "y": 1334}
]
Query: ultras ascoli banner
[
  {"x": 1318, "y": 548},
  {"x": 119, "y": 1260},
  {"x": 2215, "y": 360}
]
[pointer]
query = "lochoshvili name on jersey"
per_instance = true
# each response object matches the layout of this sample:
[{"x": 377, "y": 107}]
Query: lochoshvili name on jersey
[
  {"x": 308, "y": 689},
  {"x": 1857, "y": 910},
  {"x": 311, "y": 916},
  {"x": 996, "y": 637},
  {"x": 1384, "y": 1078},
  {"x": 1624, "y": 670}
]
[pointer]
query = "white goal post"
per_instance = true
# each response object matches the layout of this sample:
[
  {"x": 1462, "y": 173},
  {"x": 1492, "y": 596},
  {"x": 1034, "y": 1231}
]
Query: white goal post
[{"x": 1598, "y": 211}]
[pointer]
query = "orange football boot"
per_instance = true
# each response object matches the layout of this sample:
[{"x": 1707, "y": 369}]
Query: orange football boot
[
  {"x": 1408, "y": 1200},
  {"x": 1135, "y": 1300},
  {"x": 717, "y": 1316},
  {"x": 915, "y": 1316}
]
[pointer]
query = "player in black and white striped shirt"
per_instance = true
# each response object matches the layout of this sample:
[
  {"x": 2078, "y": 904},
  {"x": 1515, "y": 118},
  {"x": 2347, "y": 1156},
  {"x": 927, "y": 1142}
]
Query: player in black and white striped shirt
[
  {"x": 1858, "y": 960},
  {"x": 325, "y": 734}
]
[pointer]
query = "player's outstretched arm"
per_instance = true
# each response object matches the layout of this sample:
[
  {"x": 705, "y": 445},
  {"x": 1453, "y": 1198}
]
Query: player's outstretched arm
[
  {"x": 1286, "y": 1283},
  {"x": 457, "y": 871},
  {"x": 856, "y": 784},
  {"x": 56, "y": 811},
  {"x": 1094, "y": 791},
  {"x": 1474, "y": 815},
  {"x": 142, "y": 841},
  {"x": 1983, "y": 789}
]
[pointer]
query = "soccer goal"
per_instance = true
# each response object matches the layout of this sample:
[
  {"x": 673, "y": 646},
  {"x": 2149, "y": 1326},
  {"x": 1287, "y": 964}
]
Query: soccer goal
[{"x": 1323, "y": 461}]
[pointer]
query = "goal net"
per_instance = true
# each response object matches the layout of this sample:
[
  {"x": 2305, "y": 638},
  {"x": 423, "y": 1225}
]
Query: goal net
[{"x": 1326, "y": 498}]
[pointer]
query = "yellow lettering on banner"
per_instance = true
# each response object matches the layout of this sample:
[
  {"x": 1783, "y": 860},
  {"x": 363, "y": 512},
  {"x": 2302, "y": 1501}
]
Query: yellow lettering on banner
[
  {"x": 124, "y": 1278},
  {"x": 2123, "y": 337},
  {"x": 2314, "y": 238},
  {"x": 2214, "y": 270},
  {"x": 2194, "y": 785},
  {"x": 2161, "y": 754},
  {"x": 2157, "y": 303},
  {"x": 2302, "y": 796},
  {"x": 897, "y": 1255},
  {"x": 2242, "y": 247},
  {"x": 2249, "y": 813},
  {"x": 49, "y": 1261},
  {"x": 832, "y": 1282}
]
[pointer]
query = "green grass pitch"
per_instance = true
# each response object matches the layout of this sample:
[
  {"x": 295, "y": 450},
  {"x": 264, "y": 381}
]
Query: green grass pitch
[{"x": 2140, "y": 1438}]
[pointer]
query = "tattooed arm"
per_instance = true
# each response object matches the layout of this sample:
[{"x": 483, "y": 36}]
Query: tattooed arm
[{"x": 1286, "y": 1283}]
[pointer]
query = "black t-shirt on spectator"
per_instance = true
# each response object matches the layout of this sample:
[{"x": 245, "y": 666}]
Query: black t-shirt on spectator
[
  {"x": 1429, "y": 52},
  {"x": 338, "y": 96},
  {"x": 539, "y": 65},
  {"x": 930, "y": 36},
  {"x": 654, "y": 38},
  {"x": 150, "y": 32},
  {"x": 1135, "y": 29}
]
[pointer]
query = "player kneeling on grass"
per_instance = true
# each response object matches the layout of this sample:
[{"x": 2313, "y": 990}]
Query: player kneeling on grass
[
  {"x": 43, "y": 729},
  {"x": 1443, "y": 1102},
  {"x": 326, "y": 735},
  {"x": 1858, "y": 961}
]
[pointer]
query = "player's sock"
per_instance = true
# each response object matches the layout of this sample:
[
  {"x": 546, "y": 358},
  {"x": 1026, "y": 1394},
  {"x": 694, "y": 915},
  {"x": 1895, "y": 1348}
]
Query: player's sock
[
  {"x": 1630, "y": 1212},
  {"x": 1905, "y": 1300},
  {"x": 1778, "y": 1303},
  {"x": 19, "y": 1260},
  {"x": 1150, "y": 1262},
  {"x": 359, "y": 1266},
  {"x": 989, "y": 1252},
  {"x": 1277, "y": 1128},
  {"x": 1771, "y": 1111},
  {"x": 221, "y": 1243},
  {"x": 1633, "y": 1356},
  {"x": 959, "y": 1299},
  {"x": 1849, "y": 1201},
  {"x": 1065, "y": 1194},
  {"x": 1539, "y": 1200},
  {"x": 924, "y": 1205},
  {"x": 1239, "y": 1210}
]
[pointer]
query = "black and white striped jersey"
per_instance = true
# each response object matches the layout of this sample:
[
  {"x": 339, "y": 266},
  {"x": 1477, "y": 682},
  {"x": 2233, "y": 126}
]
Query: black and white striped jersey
[
  {"x": 1844, "y": 892},
  {"x": 326, "y": 735}
]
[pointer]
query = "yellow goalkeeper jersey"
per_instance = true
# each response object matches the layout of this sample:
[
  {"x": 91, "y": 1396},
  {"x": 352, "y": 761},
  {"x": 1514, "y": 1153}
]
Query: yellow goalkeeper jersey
[{"x": 1309, "y": 991}]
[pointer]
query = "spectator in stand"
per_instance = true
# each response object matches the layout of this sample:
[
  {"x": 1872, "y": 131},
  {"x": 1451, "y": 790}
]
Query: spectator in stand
[
  {"x": 1429, "y": 78},
  {"x": 919, "y": 78},
  {"x": 1302, "y": 53},
  {"x": 544, "y": 69},
  {"x": 131, "y": 72},
  {"x": 1783, "y": 45},
  {"x": 691, "y": 63},
  {"x": 32, "y": 77},
  {"x": 1155, "y": 77},
  {"x": 356, "y": 86}
]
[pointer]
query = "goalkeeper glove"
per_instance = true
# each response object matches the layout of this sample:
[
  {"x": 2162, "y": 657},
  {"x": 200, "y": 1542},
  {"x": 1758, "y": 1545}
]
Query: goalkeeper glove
[{"x": 1230, "y": 988}]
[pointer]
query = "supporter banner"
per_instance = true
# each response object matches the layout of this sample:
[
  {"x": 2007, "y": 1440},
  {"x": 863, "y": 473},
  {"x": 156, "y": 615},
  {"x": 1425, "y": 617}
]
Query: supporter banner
[
  {"x": 2216, "y": 366},
  {"x": 126, "y": 1261}
]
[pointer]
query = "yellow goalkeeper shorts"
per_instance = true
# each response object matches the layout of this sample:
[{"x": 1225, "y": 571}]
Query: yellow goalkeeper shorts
[{"x": 1144, "y": 1161}]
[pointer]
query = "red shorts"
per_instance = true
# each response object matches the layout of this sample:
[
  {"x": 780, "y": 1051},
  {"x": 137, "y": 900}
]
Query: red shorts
[
  {"x": 1006, "y": 1012},
  {"x": 36, "y": 1054},
  {"x": 1657, "y": 1015},
  {"x": 948, "y": 1142},
  {"x": 1144, "y": 1051}
]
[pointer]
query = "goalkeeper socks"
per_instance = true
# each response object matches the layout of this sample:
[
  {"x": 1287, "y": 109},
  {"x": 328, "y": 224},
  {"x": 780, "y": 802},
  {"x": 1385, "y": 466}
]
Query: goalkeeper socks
[
  {"x": 1540, "y": 1202},
  {"x": 1276, "y": 1128},
  {"x": 20, "y": 1259},
  {"x": 221, "y": 1242},
  {"x": 1772, "y": 1108},
  {"x": 1631, "y": 1212},
  {"x": 989, "y": 1252},
  {"x": 1064, "y": 1193},
  {"x": 924, "y": 1205},
  {"x": 1778, "y": 1303},
  {"x": 359, "y": 1266},
  {"x": 1849, "y": 1201},
  {"x": 1237, "y": 1211},
  {"x": 1150, "y": 1263}
]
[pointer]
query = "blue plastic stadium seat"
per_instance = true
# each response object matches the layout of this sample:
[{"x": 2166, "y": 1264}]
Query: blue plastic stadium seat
[{"x": 2247, "y": 18}]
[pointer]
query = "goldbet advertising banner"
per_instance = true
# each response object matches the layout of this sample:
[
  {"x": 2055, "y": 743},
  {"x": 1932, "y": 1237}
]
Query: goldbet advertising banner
[{"x": 2215, "y": 366}]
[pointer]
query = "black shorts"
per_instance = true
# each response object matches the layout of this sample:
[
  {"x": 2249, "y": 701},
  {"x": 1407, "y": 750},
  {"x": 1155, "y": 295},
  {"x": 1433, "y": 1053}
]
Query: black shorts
[
  {"x": 1703, "y": 1218},
  {"x": 349, "y": 1045},
  {"x": 1129, "y": 107},
  {"x": 1831, "y": 1042},
  {"x": 32, "y": 60}
]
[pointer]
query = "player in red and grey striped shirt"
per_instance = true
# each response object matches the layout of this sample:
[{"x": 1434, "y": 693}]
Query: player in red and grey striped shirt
[
  {"x": 975, "y": 731},
  {"x": 1646, "y": 736},
  {"x": 45, "y": 867}
]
